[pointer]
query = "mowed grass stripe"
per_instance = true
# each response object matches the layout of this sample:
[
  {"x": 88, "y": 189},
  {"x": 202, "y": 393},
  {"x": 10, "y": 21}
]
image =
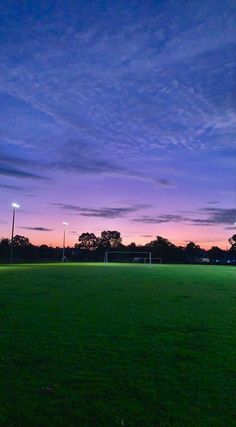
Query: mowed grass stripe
[{"x": 88, "y": 344}]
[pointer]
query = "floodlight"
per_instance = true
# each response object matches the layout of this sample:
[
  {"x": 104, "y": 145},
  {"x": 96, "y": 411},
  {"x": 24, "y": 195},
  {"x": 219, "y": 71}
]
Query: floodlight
[
  {"x": 15, "y": 205},
  {"x": 64, "y": 241}
]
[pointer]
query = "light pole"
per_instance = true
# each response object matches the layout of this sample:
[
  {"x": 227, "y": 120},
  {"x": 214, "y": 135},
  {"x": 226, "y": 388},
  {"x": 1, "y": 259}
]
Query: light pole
[
  {"x": 15, "y": 206},
  {"x": 64, "y": 241}
]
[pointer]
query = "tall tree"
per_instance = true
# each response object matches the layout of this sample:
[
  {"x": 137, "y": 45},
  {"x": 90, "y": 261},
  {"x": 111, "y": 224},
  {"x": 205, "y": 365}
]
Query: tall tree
[
  {"x": 4, "y": 242},
  {"x": 88, "y": 241},
  {"x": 232, "y": 241},
  {"x": 160, "y": 242},
  {"x": 110, "y": 239},
  {"x": 162, "y": 247},
  {"x": 216, "y": 253},
  {"x": 131, "y": 246},
  {"x": 20, "y": 241},
  {"x": 193, "y": 250},
  {"x": 4, "y": 248}
]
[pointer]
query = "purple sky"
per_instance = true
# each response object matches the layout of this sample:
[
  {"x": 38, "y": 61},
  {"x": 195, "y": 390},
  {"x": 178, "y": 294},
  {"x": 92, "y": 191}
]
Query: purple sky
[{"x": 118, "y": 115}]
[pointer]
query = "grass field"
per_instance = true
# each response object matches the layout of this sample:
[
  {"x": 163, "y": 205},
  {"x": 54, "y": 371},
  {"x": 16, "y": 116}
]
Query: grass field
[{"x": 87, "y": 345}]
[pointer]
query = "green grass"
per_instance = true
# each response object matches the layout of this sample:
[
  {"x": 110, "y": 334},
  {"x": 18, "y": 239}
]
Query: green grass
[{"x": 88, "y": 345}]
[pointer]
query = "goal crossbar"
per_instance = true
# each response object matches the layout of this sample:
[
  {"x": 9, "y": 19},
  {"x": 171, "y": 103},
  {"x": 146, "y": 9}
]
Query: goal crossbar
[{"x": 128, "y": 253}]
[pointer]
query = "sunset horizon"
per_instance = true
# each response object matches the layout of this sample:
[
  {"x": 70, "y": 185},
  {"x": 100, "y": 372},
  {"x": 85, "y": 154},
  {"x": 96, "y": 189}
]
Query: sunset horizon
[
  {"x": 118, "y": 117},
  {"x": 39, "y": 235}
]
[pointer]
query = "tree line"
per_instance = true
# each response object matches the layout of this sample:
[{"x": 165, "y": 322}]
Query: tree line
[{"x": 92, "y": 248}]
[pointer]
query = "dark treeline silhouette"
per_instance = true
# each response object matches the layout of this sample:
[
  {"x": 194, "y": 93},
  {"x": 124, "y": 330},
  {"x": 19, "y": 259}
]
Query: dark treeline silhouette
[{"x": 93, "y": 248}]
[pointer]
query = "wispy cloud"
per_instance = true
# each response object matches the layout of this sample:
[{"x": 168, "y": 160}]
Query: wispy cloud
[
  {"x": 218, "y": 216},
  {"x": 119, "y": 89},
  {"x": 159, "y": 219},
  {"x": 103, "y": 212},
  {"x": 213, "y": 202},
  {"x": 8, "y": 159},
  {"x": 36, "y": 228},
  {"x": 17, "y": 173},
  {"x": 212, "y": 216},
  {"x": 12, "y": 187},
  {"x": 103, "y": 167},
  {"x": 18, "y": 167}
]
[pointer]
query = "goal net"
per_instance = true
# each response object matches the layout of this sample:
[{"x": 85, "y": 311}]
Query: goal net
[{"x": 128, "y": 257}]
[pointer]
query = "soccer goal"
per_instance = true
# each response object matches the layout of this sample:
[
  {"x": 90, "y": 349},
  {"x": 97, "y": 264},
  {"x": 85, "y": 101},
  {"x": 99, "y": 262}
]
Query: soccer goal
[
  {"x": 127, "y": 256},
  {"x": 153, "y": 260}
]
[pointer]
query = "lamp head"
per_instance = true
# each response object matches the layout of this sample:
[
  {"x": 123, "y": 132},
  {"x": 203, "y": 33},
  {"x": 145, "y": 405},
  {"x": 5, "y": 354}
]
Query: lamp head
[
  {"x": 15, "y": 205},
  {"x": 65, "y": 223}
]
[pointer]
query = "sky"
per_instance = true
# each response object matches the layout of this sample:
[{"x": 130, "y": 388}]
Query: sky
[{"x": 118, "y": 115}]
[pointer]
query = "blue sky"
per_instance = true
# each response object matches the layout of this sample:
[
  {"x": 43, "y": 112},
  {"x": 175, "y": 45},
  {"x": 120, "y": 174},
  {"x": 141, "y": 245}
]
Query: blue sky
[{"x": 119, "y": 115}]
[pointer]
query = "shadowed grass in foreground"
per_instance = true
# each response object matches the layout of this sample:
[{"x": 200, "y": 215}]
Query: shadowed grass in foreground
[{"x": 93, "y": 345}]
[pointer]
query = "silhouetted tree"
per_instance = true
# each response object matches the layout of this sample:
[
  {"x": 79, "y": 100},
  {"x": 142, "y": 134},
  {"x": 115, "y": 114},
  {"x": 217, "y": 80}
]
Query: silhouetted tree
[
  {"x": 5, "y": 242},
  {"x": 88, "y": 241},
  {"x": 193, "y": 250},
  {"x": 162, "y": 247},
  {"x": 90, "y": 247},
  {"x": 232, "y": 241},
  {"x": 216, "y": 253},
  {"x": 132, "y": 246},
  {"x": 20, "y": 241},
  {"x": 4, "y": 249},
  {"x": 110, "y": 239},
  {"x": 45, "y": 253},
  {"x": 159, "y": 242}
]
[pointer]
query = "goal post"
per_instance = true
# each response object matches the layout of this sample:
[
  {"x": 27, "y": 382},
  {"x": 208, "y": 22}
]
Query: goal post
[{"x": 128, "y": 256}]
